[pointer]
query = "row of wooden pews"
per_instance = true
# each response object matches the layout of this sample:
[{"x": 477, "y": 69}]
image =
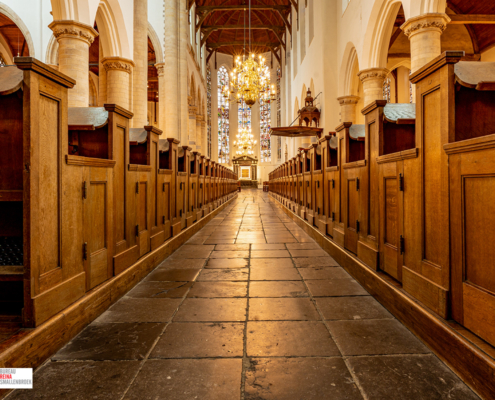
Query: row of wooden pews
[
  {"x": 412, "y": 191},
  {"x": 82, "y": 195}
]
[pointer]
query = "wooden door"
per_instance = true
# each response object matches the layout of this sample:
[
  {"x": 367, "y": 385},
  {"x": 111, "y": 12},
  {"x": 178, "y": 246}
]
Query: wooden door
[
  {"x": 318, "y": 194},
  {"x": 472, "y": 197},
  {"x": 97, "y": 225},
  {"x": 391, "y": 222},
  {"x": 142, "y": 228},
  {"x": 352, "y": 210}
]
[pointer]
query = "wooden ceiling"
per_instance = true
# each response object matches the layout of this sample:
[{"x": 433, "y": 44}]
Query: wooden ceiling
[
  {"x": 470, "y": 12},
  {"x": 13, "y": 36},
  {"x": 222, "y": 22}
]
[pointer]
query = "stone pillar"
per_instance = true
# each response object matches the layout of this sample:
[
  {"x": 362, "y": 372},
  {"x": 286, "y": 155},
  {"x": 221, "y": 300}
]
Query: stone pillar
[
  {"x": 183, "y": 43},
  {"x": 160, "y": 69},
  {"x": 192, "y": 127},
  {"x": 372, "y": 80},
  {"x": 424, "y": 33},
  {"x": 199, "y": 133},
  {"x": 74, "y": 40},
  {"x": 204, "y": 138},
  {"x": 140, "y": 71},
  {"x": 169, "y": 110},
  {"x": 118, "y": 77},
  {"x": 348, "y": 108}
]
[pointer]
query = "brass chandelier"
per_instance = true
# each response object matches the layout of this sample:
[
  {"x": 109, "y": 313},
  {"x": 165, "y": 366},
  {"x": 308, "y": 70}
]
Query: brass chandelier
[
  {"x": 245, "y": 141},
  {"x": 250, "y": 78}
]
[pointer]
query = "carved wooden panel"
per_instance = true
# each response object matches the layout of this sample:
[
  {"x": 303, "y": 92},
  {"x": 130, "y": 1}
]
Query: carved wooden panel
[
  {"x": 49, "y": 192},
  {"x": 432, "y": 201}
]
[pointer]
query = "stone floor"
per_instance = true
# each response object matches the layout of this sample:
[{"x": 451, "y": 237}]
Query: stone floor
[{"x": 249, "y": 308}]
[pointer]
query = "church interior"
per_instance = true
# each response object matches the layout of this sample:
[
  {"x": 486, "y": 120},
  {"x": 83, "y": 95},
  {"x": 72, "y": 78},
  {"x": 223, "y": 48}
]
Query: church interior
[{"x": 247, "y": 199}]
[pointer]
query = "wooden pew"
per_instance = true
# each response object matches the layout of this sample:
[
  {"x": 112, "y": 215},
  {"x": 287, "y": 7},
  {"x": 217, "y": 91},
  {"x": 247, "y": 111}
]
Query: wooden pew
[
  {"x": 355, "y": 172},
  {"x": 338, "y": 235},
  {"x": 327, "y": 196},
  {"x": 47, "y": 275},
  {"x": 394, "y": 140},
  {"x": 456, "y": 142},
  {"x": 167, "y": 211},
  {"x": 95, "y": 162},
  {"x": 144, "y": 162}
]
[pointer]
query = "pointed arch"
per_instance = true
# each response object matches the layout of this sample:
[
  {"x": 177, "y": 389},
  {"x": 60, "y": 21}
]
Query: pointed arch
[
  {"x": 7, "y": 11},
  {"x": 112, "y": 28},
  {"x": 348, "y": 82},
  {"x": 379, "y": 31},
  {"x": 155, "y": 41}
]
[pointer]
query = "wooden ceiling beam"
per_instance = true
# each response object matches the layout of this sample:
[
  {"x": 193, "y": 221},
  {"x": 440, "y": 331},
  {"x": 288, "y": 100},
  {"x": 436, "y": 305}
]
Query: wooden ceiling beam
[
  {"x": 201, "y": 20},
  {"x": 217, "y": 27},
  {"x": 190, "y": 4},
  {"x": 241, "y": 43},
  {"x": 294, "y": 3},
  {"x": 276, "y": 55},
  {"x": 286, "y": 21},
  {"x": 278, "y": 8},
  {"x": 460, "y": 19}
]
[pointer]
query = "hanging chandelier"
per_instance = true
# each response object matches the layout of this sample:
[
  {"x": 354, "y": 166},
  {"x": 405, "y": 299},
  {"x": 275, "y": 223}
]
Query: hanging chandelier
[
  {"x": 249, "y": 79},
  {"x": 245, "y": 140}
]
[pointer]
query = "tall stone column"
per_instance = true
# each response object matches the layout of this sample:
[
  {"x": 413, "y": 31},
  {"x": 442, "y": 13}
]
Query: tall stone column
[
  {"x": 199, "y": 133},
  {"x": 118, "y": 78},
  {"x": 424, "y": 33},
  {"x": 140, "y": 71},
  {"x": 183, "y": 43},
  {"x": 160, "y": 69},
  {"x": 170, "y": 101},
  {"x": 192, "y": 127},
  {"x": 204, "y": 138},
  {"x": 74, "y": 39},
  {"x": 372, "y": 80},
  {"x": 348, "y": 108}
]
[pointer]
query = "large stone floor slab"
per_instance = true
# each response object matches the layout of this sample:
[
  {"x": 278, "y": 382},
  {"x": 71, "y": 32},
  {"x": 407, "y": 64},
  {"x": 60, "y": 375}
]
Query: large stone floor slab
[{"x": 251, "y": 308}]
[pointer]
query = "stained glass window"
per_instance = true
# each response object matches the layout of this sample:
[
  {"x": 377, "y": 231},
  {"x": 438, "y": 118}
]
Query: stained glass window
[
  {"x": 265, "y": 122},
  {"x": 386, "y": 90},
  {"x": 223, "y": 117},
  {"x": 208, "y": 110},
  {"x": 244, "y": 116}
]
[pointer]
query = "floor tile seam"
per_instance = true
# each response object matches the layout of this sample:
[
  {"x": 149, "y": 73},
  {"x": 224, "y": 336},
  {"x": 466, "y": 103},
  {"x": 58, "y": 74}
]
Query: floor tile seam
[
  {"x": 245, "y": 359},
  {"x": 143, "y": 361},
  {"x": 354, "y": 377}
]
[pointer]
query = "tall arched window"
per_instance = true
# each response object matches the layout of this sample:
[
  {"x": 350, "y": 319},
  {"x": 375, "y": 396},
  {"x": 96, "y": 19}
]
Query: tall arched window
[
  {"x": 244, "y": 114},
  {"x": 208, "y": 110},
  {"x": 223, "y": 117},
  {"x": 265, "y": 124}
]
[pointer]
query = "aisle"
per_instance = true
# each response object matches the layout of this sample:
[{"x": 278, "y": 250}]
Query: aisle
[{"x": 249, "y": 308}]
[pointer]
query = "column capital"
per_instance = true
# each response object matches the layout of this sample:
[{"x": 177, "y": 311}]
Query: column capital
[
  {"x": 351, "y": 99},
  {"x": 63, "y": 29},
  {"x": 426, "y": 22},
  {"x": 160, "y": 69},
  {"x": 373, "y": 73},
  {"x": 192, "y": 111},
  {"x": 199, "y": 118},
  {"x": 117, "y": 64}
]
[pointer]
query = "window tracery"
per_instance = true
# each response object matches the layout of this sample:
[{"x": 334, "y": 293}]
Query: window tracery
[
  {"x": 208, "y": 110},
  {"x": 223, "y": 116}
]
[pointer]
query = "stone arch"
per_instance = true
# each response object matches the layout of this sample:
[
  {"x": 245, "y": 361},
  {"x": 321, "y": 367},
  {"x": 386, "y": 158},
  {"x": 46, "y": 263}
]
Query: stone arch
[
  {"x": 349, "y": 82},
  {"x": 199, "y": 103},
  {"x": 75, "y": 10},
  {"x": 112, "y": 28},
  {"x": 7, "y": 11},
  {"x": 303, "y": 93},
  {"x": 379, "y": 31},
  {"x": 312, "y": 88},
  {"x": 156, "y": 43},
  {"x": 296, "y": 108}
]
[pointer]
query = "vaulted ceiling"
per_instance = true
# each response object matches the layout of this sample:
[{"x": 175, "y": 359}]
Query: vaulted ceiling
[
  {"x": 483, "y": 33},
  {"x": 224, "y": 25}
]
